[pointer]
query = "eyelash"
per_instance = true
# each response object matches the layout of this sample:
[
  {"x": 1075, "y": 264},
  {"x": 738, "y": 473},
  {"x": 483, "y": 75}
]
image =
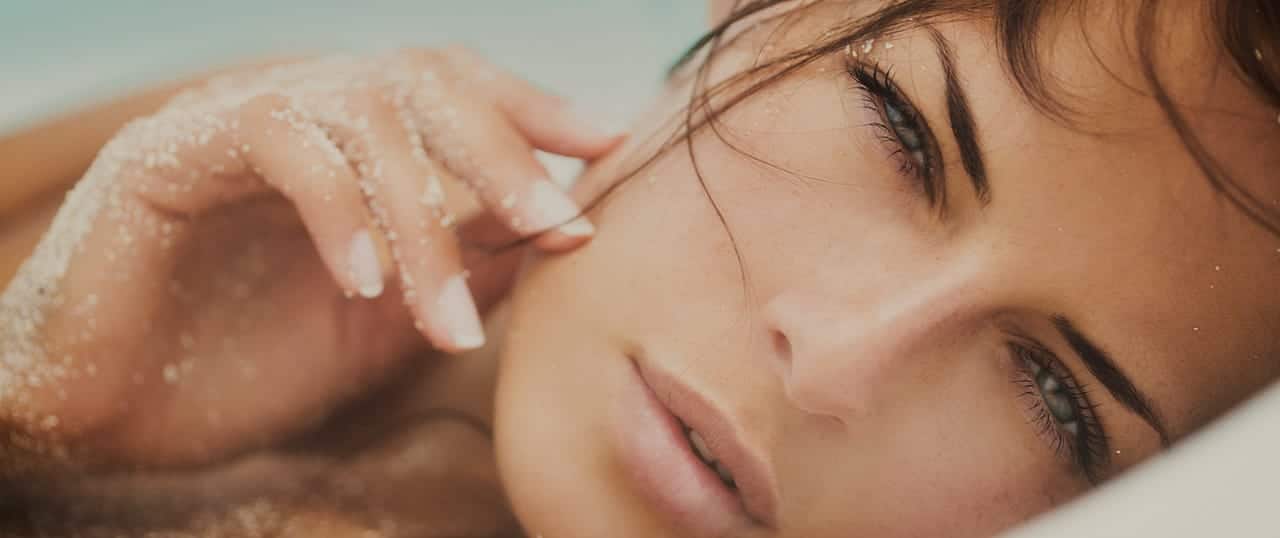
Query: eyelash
[
  {"x": 882, "y": 97},
  {"x": 1087, "y": 446}
]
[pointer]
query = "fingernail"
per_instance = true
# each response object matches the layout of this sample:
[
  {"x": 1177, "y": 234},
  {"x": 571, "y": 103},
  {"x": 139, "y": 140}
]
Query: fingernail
[
  {"x": 365, "y": 269},
  {"x": 579, "y": 227},
  {"x": 458, "y": 313},
  {"x": 550, "y": 206}
]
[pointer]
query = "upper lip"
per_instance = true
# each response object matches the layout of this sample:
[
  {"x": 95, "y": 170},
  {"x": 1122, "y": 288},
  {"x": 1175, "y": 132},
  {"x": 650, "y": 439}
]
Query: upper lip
[{"x": 751, "y": 475}]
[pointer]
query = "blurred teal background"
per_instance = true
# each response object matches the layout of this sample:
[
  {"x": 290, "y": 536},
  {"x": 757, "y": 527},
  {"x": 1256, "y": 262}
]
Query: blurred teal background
[{"x": 56, "y": 56}]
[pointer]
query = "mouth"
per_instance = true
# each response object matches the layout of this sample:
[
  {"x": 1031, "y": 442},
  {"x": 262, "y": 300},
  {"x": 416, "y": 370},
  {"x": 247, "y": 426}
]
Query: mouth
[
  {"x": 688, "y": 460},
  {"x": 704, "y": 454}
]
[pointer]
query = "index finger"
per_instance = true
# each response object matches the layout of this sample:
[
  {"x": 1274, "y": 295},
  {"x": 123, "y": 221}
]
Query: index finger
[{"x": 547, "y": 121}]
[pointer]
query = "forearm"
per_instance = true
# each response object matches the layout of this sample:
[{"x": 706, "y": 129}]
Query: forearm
[
  {"x": 37, "y": 168},
  {"x": 50, "y": 156},
  {"x": 38, "y": 165}
]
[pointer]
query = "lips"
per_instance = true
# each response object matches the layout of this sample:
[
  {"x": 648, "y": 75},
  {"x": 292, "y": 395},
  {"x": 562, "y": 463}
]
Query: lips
[{"x": 688, "y": 459}]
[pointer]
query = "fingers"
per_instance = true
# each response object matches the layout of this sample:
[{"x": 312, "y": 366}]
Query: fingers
[
  {"x": 479, "y": 145},
  {"x": 404, "y": 189},
  {"x": 296, "y": 158},
  {"x": 545, "y": 120}
]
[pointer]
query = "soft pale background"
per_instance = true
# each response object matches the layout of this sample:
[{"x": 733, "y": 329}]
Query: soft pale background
[{"x": 59, "y": 55}]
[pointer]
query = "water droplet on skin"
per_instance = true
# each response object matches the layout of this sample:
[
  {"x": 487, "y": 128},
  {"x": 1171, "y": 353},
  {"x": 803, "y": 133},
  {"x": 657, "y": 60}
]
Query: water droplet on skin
[
  {"x": 170, "y": 374},
  {"x": 433, "y": 196}
]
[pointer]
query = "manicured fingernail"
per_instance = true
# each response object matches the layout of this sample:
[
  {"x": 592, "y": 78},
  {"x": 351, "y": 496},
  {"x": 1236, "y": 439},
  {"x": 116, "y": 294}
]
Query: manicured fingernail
[
  {"x": 458, "y": 314},
  {"x": 579, "y": 227},
  {"x": 365, "y": 269},
  {"x": 549, "y": 206}
]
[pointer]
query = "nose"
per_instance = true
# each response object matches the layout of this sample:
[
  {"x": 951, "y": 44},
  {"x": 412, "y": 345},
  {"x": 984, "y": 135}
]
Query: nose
[{"x": 841, "y": 356}]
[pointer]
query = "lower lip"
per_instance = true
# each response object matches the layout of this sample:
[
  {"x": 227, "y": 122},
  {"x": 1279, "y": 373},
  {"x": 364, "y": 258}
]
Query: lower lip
[{"x": 670, "y": 476}]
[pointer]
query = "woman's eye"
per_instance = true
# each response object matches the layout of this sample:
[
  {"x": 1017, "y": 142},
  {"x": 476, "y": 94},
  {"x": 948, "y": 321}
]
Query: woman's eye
[
  {"x": 907, "y": 133},
  {"x": 900, "y": 128},
  {"x": 1059, "y": 409},
  {"x": 1057, "y": 399}
]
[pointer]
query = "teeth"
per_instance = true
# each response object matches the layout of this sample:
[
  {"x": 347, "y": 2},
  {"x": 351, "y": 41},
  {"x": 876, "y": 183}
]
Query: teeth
[
  {"x": 700, "y": 448},
  {"x": 724, "y": 474}
]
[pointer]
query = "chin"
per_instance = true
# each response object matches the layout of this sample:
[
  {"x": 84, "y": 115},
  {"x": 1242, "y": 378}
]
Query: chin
[
  {"x": 551, "y": 444},
  {"x": 551, "y": 422}
]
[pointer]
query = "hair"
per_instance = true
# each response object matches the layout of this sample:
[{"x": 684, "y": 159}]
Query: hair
[{"x": 1247, "y": 30}]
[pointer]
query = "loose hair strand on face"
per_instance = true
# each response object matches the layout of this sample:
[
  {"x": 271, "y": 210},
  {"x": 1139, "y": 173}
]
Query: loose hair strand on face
[{"x": 1248, "y": 31}]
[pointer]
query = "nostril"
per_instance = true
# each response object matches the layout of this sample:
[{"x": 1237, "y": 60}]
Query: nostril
[{"x": 781, "y": 346}]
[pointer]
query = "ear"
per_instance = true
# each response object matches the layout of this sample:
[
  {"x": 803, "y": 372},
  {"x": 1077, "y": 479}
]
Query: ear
[{"x": 718, "y": 10}]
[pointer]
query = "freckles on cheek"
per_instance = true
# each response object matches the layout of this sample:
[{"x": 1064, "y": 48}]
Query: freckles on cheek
[
  {"x": 976, "y": 498},
  {"x": 972, "y": 474}
]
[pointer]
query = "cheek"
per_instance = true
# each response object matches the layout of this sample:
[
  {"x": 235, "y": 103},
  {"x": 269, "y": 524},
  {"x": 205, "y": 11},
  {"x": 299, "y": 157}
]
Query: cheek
[{"x": 952, "y": 455}]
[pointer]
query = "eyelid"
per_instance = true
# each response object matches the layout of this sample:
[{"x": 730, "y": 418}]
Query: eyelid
[
  {"x": 1091, "y": 450},
  {"x": 878, "y": 80}
]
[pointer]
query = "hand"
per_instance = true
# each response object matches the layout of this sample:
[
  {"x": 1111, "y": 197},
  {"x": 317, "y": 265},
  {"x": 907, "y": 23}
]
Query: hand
[{"x": 263, "y": 248}]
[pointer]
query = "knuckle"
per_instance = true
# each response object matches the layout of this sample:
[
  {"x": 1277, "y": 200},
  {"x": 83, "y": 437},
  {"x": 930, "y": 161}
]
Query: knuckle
[
  {"x": 257, "y": 110},
  {"x": 420, "y": 57},
  {"x": 458, "y": 51},
  {"x": 371, "y": 104}
]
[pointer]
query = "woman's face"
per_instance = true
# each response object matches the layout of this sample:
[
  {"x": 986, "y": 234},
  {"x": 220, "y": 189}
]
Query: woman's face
[{"x": 862, "y": 362}]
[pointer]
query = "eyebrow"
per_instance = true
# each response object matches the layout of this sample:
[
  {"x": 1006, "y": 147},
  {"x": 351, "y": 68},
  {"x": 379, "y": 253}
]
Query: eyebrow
[
  {"x": 961, "y": 121},
  {"x": 1104, "y": 369}
]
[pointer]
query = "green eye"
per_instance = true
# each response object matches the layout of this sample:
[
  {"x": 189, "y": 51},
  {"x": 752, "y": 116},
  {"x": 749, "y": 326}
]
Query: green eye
[
  {"x": 1058, "y": 400},
  {"x": 907, "y": 132}
]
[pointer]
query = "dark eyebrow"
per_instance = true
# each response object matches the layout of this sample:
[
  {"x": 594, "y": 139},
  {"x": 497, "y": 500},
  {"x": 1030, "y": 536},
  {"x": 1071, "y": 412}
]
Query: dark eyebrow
[
  {"x": 961, "y": 120},
  {"x": 1105, "y": 371}
]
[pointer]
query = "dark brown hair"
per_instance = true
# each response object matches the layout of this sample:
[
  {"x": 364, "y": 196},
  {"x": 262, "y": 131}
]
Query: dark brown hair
[{"x": 1248, "y": 31}]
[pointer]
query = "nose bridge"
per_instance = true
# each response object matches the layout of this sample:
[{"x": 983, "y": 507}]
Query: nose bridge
[{"x": 845, "y": 351}]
